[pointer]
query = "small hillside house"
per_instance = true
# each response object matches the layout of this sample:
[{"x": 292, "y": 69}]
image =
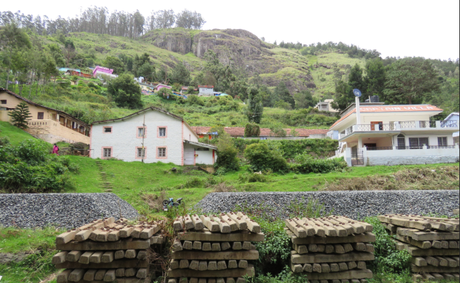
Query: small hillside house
[
  {"x": 206, "y": 90},
  {"x": 150, "y": 135},
  {"x": 394, "y": 135},
  {"x": 48, "y": 124}
]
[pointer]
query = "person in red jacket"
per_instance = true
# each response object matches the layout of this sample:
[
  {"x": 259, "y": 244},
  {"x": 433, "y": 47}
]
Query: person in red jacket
[{"x": 55, "y": 149}]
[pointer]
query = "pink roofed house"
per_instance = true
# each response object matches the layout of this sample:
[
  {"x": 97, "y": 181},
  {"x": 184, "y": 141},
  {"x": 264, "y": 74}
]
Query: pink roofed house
[{"x": 102, "y": 70}]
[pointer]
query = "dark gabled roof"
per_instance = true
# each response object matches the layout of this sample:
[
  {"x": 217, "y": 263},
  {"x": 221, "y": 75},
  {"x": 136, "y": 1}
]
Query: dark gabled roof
[
  {"x": 138, "y": 113},
  {"x": 39, "y": 105}
]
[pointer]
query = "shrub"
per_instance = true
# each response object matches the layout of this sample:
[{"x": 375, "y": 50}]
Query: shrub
[
  {"x": 305, "y": 164},
  {"x": 226, "y": 154},
  {"x": 30, "y": 168},
  {"x": 262, "y": 158},
  {"x": 252, "y": 130}
]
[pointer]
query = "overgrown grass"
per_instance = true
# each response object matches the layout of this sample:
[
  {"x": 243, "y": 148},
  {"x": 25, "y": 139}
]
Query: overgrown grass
[
  {"x": 36, "y": 246},
  {"x": 14, "y": 134}
]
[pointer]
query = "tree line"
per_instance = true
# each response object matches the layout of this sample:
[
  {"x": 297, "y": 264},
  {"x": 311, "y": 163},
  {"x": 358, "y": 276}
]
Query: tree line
[
  {"x": 100, "y": 21},
  {"x": 353, "y": 51},
  {"x": 411, "y": 80}
]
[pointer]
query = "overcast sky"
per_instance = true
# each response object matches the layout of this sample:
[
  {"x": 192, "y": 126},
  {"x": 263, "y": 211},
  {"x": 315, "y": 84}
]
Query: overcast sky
[{"x": 402, "y": 28}]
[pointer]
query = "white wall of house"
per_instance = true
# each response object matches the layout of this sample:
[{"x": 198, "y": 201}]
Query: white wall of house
[
  {"x": 124, "y": 140},
  {"x": 432, "y": 139},
  {"x": 411, "y": 156},
  {"x": 206, "y": 91}
]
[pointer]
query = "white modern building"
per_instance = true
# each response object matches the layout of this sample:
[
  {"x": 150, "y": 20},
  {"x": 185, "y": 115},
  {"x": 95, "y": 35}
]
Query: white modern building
[
  {"x": 206, "y": 90},
  {"x": 452, "y": 118},
  {"x": 326, "y": 106},
  {"x": 150, "y": 135},
  {"x": 394, "y": 135}
]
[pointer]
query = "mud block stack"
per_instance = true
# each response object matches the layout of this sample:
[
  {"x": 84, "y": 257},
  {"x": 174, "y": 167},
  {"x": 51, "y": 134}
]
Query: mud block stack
[
  {"x": 331, "y": 249},
  {"x": 214, "y": 248},
  {"x": 433, "y": 243},
  {"x": 107, "y": 250}
]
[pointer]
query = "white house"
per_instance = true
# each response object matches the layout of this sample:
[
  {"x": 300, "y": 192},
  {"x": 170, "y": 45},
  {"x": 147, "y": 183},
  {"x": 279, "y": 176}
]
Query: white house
[
  {"x": 150, "y": 135},
  {"x": 395, "y": 134},
  {"x": 326, "y": 106},
  {"x": 452, "y": 118},
  {"x": 206, "y": 90}
]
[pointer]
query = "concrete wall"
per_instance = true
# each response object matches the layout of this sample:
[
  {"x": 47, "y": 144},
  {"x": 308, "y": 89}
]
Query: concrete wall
[
  {"x": 410, "y": 156},
  {"x": 124, "y": 140},
  {"x": 353, "y": 204}
]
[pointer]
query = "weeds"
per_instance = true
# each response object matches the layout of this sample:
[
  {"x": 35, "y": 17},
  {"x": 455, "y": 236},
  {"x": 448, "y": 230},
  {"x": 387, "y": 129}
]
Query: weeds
[{"x": 312, "y": 209}]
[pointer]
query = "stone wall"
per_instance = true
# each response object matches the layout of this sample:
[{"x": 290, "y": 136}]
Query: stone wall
[
  {"x": 61, "y": 210},
  {"x": 353, "y": 204}
]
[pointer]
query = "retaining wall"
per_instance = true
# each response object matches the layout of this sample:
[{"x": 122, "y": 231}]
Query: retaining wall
[
  {"x": 353, "y": 204},
  {"x": 61, "y": 210}
]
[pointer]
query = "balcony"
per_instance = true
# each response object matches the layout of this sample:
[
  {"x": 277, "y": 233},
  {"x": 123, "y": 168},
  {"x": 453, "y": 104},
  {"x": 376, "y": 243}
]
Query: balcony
[{"x": 398, "y": 126}]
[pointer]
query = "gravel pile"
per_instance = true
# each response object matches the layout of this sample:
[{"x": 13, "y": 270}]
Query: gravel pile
[
  {"x": 61, "y": 210},
  {"x": 353, "y": 204}
]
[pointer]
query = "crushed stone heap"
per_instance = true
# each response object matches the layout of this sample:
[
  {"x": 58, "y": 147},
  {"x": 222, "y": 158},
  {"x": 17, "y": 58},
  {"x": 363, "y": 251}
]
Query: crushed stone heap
[
  {"x": 331, "y": 249},
  {"x": 107, "y": 250},
  {"x": 432, "y": 242},
  {"x": 214, "y": 248}
]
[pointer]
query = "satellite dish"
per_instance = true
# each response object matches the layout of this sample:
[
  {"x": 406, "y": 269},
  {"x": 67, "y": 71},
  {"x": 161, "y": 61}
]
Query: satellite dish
[{"x": 357, "y": 92}]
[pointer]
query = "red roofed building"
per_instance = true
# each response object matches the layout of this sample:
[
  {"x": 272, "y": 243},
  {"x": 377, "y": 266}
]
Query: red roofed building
[
  {"x": 265, "y": 133},
  {"x": 394, "y": 134}
]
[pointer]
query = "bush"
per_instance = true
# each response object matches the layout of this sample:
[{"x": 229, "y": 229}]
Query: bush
[
  {"x": 262, "y": 158},
  {"x": 30, "y": 168},
  {"x": 226, "y": 156},
  {"x": 305, "y": 164},
  {"x": 252, "y": 130}
]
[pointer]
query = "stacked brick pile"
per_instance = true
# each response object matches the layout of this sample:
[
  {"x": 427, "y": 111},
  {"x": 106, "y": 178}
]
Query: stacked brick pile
[
  {"x": 106, "y": 250},
  {"x": 433, "y": 243},
  {"x": 214, "y": 249},
  {"x": 331, "y": 249}
]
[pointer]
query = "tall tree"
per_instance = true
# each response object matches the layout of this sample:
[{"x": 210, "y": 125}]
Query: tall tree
[
  {"x": 164, "y": 19},
  {"x": 410, "y": 80},
  {"x": 180, "y": 74},
  {"x": 375, "y": 77},
  {"x": 282, "y": 92},
  {"x": 255, "y": 107},
  {"x": 304, "y": 99},
  {"x": 20, "y": 115},
  {"x": 125, "y": 92},
  {"x": 12, "y": 38}
]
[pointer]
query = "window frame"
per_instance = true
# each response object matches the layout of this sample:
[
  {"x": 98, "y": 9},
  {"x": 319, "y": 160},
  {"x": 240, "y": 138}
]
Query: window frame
[
  {"x": 419, "y": 144},
  {"x": 165, "y": 152},
  {"x": 442, "y": 143},
  {"x": 104, "y": 128},
  {"x": 103, "y": 149},
  {"x": 137, "y": 152},
  {"x": 159, "y": 132},
  {"x": 40, "y": 115},
  {"x": 3, "y": 101},
  {"x": 145, "y": 132}
]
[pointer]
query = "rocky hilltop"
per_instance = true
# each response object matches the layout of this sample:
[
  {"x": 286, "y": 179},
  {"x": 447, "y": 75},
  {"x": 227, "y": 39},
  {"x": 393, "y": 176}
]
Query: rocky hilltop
[{"x": 241, "y": 49}]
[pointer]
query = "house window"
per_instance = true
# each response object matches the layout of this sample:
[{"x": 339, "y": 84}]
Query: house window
[
  {"x": 40, "y": 115},
  {"x": 106, "y": 152},
  {"x": 162, "y": 132},
  {"x": 3, "y": 101},
  {"x": 107, "y": 130},
  {"x": 140, "y": 152},
  {"x": 376, "y": 125},
  {"x": 141, "y": 132},
  {"x": 161, "y": 152},
  {"x": 417, "y": 143},
  {"x": 442, "y": 141}
]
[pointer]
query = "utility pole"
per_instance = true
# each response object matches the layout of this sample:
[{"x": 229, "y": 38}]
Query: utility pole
[{"x": 143, "y": 136}]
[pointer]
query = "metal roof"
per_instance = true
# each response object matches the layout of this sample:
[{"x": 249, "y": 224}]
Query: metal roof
[{"x": 200, "y": 144}]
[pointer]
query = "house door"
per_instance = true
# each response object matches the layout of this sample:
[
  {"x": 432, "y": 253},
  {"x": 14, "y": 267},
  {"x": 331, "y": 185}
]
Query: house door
[
  {"x": 189, "y": 156},
  {"x": 376, "y": 125}
]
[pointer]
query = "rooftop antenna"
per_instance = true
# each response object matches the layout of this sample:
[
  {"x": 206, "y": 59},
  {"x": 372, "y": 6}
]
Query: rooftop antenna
[{"x": 357, "y": 94}]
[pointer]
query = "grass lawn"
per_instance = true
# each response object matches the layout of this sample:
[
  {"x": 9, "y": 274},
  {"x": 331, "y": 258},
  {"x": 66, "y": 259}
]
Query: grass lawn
[{"x": 144, "y": 185}]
